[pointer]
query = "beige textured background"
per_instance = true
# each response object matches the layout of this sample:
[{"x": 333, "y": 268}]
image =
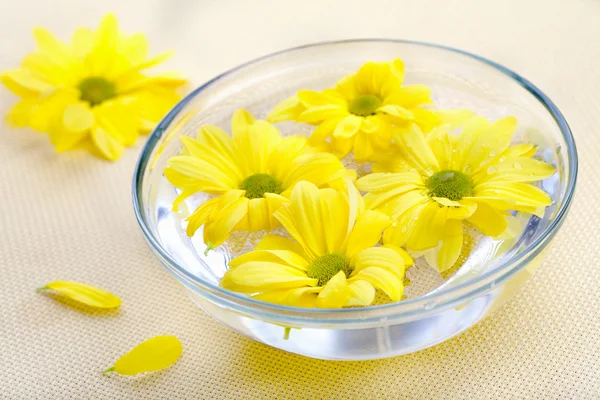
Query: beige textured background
[{"x": 70, "y": 217}]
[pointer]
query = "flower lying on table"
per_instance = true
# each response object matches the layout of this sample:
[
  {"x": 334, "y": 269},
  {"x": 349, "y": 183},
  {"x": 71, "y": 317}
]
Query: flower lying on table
[
  {"x": 332, "y": 261},
  {"x": 427, "y": 184},
  {"x": 91, "y": 92}
]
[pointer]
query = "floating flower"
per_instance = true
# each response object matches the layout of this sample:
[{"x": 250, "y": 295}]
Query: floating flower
[
  {"x": 252, "y": 174},
  {"x": 91, "y": 92},
  {"x": 359, "y": 112},
  {"x": 442, "y": 180},
  {"x": 332, "y": 261}
]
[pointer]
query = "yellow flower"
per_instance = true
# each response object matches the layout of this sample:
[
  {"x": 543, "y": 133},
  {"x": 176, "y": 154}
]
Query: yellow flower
[
  {"x": 91, "y": 92},
  {"x": 359, "y": 112},
  {"x": 441, "y": 180},
  {"x": 252, "y": 174},
  {"x": 332, "y": 262}
]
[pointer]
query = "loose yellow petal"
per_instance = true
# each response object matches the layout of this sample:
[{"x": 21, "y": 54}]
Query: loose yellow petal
[
  {"x": 85, "y": 294},
  {"x": 335, "y": 293},
  {"x": 154, "y": 354}
]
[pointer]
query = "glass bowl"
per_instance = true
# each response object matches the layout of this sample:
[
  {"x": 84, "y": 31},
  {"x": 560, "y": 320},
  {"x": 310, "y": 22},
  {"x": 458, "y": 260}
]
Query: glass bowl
[{"x": 437, "y": 307}]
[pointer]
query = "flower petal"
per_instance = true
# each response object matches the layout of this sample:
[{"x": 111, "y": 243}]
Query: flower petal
[
  {"x": 108, "y": 145},
  {"x": 397, "y": 111},
  {"x": 317, "y": 168},
  {"x": 305, "y": 297},
  {"x": 520, "y": 194},
  {"x": 415, "y": 149},
  {"x": 362, "y": 293},
  {"x": 263, "y": 276},
  {"x": 494, "y": 140},
  {"x": 444, "y": 257},
  {"x": 302, "y": 218},
  {"x": 78, "y": 117},
  {"x": 258, "y": 216},
  {"x": 152, "y": 355},
  {"x": 384, "y": 182},
  {"x": 22, "y": 83},
  {"x": 334, "y": 212},
  {"x": 211, "y": 179},
  {"x": 335, "y": 293},
  {"x": 426, "y": 234},
  {"x": 287, "y": 110},
  {"x": 388, "y": 282},
  {"x": 276, "y": 242},
  {"x": 201, "y": 215},
  {"x": 281, "y": 159},
  {"x": 220, "y": 226},
  {"x": 347, "y": 127},
  {"x": 489, "y": 221},
  {"x": 366, "y": 232},
  {"x": 254, "y": 141},
  {"x": 409, "y": 96},
  {"x": 381, "y": 257},
  {"x": 84, "y": 294},
  {"x": 285, "y": 257},
  {"x": 517, "y": 169}
]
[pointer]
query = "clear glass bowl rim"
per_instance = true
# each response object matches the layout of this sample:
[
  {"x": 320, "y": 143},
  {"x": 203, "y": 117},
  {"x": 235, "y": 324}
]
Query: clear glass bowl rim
[{"x": 405, "y": 310}]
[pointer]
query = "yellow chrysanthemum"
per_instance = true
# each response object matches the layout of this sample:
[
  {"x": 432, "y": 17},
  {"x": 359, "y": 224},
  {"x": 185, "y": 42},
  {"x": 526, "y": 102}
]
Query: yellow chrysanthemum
[
  {"x": 441, "y": 180},
  {"x": 252, "y": 174},
  {"x": 90, "y": 92},
  {"x": 359, "y": 112},
  {"x": 332, "y": 262}
]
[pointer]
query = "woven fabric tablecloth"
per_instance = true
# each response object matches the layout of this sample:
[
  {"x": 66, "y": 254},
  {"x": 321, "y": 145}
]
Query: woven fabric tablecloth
[{"x": 70, "y": 217}]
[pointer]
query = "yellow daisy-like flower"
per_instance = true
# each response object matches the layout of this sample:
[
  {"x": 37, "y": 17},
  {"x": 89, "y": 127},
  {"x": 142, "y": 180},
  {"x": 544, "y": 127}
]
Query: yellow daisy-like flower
[
  {"x": 441, "y": 180},
  {"x": 359, "y": 112},
  {"x": 332, "y": 261},
  {"x": 252, "y": 174},
  {"x": 91, "y": 92}
]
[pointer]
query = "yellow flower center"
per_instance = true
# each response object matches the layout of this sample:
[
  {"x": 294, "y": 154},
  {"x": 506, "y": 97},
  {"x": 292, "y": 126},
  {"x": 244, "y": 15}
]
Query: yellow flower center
[
  {"x": 453, "y": 185},
  {"x": 364, "y": 106},
  {"x": 326, "y": 267},
  {"x": 258, "y": 184},
  {"x": 95, "y": 90}
]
